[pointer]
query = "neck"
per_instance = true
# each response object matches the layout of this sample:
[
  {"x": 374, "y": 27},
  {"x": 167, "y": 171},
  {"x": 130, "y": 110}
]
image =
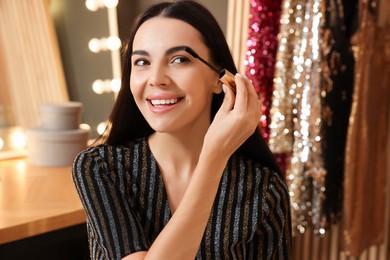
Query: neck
[{"x": 180, "y": 151}]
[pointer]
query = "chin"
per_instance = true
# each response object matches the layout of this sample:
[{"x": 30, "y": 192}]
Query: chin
[{"x": 160, "y": 129}]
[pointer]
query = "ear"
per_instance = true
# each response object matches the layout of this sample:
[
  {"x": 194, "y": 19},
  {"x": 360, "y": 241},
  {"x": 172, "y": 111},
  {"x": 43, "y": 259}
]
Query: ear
[{"x": 217, "y": 88}]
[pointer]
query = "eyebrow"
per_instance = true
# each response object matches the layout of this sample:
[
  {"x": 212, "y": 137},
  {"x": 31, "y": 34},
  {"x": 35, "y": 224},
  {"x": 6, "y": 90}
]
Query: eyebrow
[{"x": 167, "y": 52}]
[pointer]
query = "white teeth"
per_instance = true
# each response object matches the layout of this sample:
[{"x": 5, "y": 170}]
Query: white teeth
[{"x": 156, "y": 102}]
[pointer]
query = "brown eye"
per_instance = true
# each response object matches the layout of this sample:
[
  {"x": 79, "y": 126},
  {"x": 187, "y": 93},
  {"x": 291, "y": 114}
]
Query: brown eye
[
  {"x": 141, "y": 62},
  {"x": 180, "y": 60}
]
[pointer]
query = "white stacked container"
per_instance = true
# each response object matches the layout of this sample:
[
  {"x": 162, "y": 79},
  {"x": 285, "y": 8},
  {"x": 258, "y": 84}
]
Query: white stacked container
[{"x": 59, "y": 138}]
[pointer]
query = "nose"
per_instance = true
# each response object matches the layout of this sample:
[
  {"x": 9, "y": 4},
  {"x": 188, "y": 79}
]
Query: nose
[{"x": 159, "y": 75}]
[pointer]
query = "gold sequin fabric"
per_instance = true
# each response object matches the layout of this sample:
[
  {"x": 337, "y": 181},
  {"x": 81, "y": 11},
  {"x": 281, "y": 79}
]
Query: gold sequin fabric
[{"x": 295, "y": 114}]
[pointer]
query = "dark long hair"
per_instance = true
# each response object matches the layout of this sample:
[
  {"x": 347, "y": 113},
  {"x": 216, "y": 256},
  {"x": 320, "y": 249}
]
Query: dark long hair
[{"x": 126, "y": 122}]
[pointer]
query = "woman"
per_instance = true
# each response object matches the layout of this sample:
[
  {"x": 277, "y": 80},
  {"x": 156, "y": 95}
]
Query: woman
[{"x": 183, "y": 172}]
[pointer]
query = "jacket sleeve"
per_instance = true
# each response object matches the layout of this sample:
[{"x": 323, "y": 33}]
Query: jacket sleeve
[
  {"x": 275, "y": 235},
  {"x": 102, "y": 182}
]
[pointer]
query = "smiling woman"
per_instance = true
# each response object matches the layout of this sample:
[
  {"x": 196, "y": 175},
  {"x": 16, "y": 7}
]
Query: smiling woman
[{"x": 183, "y": 171}]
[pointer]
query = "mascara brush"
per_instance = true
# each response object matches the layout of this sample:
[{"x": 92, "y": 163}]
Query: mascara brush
[{"x": 225, "y": 76}]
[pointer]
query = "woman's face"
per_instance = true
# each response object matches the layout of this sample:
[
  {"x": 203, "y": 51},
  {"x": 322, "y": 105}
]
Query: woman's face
[{"x": 172, "y": 89}]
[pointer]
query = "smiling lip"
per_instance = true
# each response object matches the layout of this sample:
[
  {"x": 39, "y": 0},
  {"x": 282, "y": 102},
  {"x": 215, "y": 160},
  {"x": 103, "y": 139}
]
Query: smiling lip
[{"x": 162, "y": 104}]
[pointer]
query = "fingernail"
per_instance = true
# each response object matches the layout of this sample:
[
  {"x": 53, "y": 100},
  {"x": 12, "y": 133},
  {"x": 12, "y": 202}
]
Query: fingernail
[
  {"x": 224, "y": 88},
  {"x": 239, "y": 75}
]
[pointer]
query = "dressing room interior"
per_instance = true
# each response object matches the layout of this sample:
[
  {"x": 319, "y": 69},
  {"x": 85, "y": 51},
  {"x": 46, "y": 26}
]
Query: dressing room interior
[{"x": 321, "y": 69}]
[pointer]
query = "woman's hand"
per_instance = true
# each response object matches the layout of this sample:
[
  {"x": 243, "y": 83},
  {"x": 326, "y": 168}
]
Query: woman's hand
[{"x": 236, "y": 120}]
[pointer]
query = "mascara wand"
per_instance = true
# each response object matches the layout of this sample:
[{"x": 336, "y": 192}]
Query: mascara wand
[{"x": 225, "y": 76}]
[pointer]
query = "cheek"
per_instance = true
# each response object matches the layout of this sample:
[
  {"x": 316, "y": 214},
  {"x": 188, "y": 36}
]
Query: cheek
[
  {"x": 201, "y": 93},
  {"x": 211, "y": 80},
  {"x": 206, "y": 85},
  {"x": 136, "y": 84}
]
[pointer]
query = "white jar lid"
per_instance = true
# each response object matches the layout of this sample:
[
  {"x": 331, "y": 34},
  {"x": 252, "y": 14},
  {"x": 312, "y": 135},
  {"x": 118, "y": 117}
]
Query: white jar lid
[
  {"x": 64, "y": 107},
  {"x": 60, "y": 116}
]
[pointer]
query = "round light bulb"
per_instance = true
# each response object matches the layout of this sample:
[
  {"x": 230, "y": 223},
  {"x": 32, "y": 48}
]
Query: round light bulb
[
  {"x": 110, "y": 3},
  {"x": 18, "y": 140},
  {"x": 101, "y": 128},
  {"x": 98, "y": 86},
  {"x": 94, "y": 45},
  {"x": 85, "y": 126},
  {"x": 115, "y": 85},
  {"x": 113, "y": 43},
  {"x": 91, "y": 5}
]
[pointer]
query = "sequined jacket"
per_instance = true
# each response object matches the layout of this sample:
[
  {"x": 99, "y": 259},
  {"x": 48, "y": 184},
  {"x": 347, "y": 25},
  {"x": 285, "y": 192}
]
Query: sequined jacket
[{"x": 126, "y": 206}]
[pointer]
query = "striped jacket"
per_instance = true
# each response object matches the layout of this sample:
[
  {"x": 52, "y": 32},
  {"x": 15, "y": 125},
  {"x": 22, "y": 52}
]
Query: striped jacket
[{"x": 126, "y": 205}]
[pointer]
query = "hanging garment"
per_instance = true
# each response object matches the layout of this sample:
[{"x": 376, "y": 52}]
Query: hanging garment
[
  {"x": 311, "y": 102},
  {"x": 366, "y": 155},
  {"x": 337, "y": 88},
  {"x": 295, "y": 114},
  {"x": 263, "y": 28}
]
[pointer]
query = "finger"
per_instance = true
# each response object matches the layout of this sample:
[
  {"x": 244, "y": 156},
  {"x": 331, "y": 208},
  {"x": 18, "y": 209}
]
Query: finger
[
  {"x": 241, "y": 93},
  {"x": 253, "y": 97},
  {"x": 228, "y": 100},
  {"x": 251, "y": 88},
  {"x": 253, "y": 103}
]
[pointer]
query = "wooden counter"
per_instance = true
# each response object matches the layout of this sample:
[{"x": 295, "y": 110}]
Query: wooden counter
[{"x": 35, "y": 200}]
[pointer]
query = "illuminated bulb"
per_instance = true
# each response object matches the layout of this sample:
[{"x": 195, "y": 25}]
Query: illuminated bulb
[
  {"x": 21, "y": 166},
  {"x": 101, "y": 128},
  {"x": 110, "y": 3},
  {"x": 1, "y": 143},
  {"x": 115, "y": 85},
  {"x": 18, "y": 140},
  {"x": 107, "y": 85},
  {"x": 85, "y": 126},
  {"x": 92, "y": 5},
  {"x": 113, "y": 43},
  {"x": 98, "y": 86},
  {"x": 94, "y": 45}
]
